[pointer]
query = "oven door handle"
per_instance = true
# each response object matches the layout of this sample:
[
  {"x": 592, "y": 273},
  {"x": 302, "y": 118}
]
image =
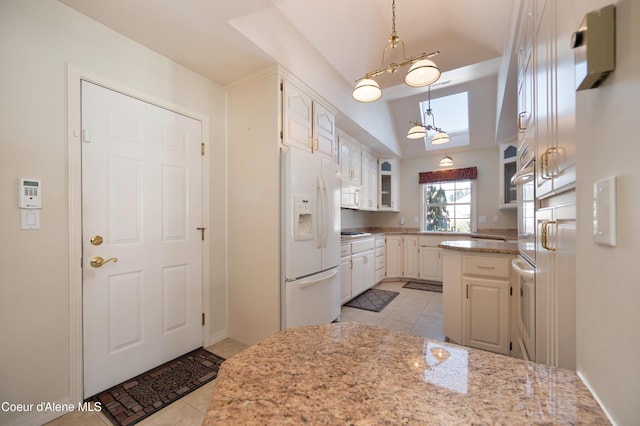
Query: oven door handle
[
  {"x": 516, "y": 265},
  {"x": 523, "y": 176}
]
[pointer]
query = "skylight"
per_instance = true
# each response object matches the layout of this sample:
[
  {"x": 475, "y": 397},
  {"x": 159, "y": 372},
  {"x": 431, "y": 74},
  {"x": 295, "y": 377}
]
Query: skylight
[{"x": 452, "y": 116}]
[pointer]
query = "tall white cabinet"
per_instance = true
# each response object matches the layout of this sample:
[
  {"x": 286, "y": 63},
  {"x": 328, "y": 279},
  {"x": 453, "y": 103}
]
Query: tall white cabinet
[
  {"x": 546, "y": 132},
  {"x": 556, "y": 284},
  {"x": 264, "y": 113}
]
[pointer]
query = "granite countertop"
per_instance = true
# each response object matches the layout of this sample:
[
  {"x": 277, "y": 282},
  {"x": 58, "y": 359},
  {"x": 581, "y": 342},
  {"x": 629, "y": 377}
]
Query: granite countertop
[
  {"x": 481, "y": 246},
  {"x": 351, "y": 373},
  {"x": 491, "y": 234}
]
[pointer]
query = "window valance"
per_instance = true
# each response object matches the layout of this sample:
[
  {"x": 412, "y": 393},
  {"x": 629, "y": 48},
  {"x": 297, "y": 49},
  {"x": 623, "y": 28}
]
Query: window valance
[{"x": 467, "y": 173}]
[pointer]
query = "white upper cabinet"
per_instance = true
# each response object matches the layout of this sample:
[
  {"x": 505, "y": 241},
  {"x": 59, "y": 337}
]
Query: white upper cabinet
[
  {"x": 369, "y": 190},
  {"x": 555, "y": 100},
  {"x": 324, "y": 131},
  {"x": 350, "y": 160},
  {"x": 307, "y": 124},
  {"x": 388, "y": 185},
  {"x": 507, "y": 161}
]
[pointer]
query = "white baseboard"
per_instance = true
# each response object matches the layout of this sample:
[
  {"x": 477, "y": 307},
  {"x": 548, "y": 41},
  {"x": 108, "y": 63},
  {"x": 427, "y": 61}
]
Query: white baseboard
[
  {"x": 218, "y": 336},
  {"x": 597, "y": 398}
]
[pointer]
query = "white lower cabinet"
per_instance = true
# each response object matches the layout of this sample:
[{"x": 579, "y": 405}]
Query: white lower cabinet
[
  {"x": 393, "y": 254},
  {"x": 357, "y": 268},
  {"x": 362, "y": 274},
  {"x": 415, "y": 256},
  {"x": 430, "y": 263},
  {"x": 345, "y": 274},
  {"x": 477, "y": 299},
  {"x": 486, "y": 314},
  {"x": 410, "y": 257},
  {"x": 380, "y": 267}
]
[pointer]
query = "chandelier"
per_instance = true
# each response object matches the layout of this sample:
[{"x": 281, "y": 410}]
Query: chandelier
[
  {"x": 423, "y": 71},
  {"x": 419, "y": 130}
]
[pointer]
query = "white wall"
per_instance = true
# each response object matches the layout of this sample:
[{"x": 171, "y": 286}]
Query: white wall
[
  {"x": 608, "y": 284},
  {"x": 487, "y": 161},
  {"x": 37, "y": 40}
]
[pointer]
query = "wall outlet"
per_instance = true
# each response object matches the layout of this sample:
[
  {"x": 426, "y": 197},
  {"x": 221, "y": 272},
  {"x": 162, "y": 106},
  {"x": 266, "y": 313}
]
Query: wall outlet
[{"x": 482, "y": 219}]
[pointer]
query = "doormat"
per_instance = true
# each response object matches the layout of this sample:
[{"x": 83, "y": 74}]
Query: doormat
[
  {"x": 373, "y": 300},
  {"x": 130, "y": 402},
  {"x": 435, "y": 286}
]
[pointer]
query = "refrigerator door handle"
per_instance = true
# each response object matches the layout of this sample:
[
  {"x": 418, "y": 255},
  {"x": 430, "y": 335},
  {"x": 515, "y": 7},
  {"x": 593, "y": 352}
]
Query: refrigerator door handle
[
  {"x": 326, "y": 219},
  {"x": 320, "y": 213},
  {"x": 323, "y": 278}
]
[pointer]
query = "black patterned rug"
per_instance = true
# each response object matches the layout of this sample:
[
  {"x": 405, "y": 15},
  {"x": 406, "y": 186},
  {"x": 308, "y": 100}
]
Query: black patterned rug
[
  {"x": 132, "y": 401},
  {"x": 435, "y": 286},
  {"x": 373, "y": 300}
]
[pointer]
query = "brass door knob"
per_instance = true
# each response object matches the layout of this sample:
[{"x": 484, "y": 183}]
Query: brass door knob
[
  {"x": 96, "y": 240},
  {"x": 97, "y": 261}
]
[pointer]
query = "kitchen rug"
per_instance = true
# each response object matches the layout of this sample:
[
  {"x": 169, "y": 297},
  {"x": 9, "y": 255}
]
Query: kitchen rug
[
  {"x": 373, "y": 300},
  {"x": 132, "y": 401},
  {"x": 435, "y": 286}
]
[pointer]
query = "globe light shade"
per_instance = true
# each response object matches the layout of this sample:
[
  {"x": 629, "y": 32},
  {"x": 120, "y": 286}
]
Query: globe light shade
[
  {"x": 422, "y": 73},
  {"x": 417, "y": 132},
  {"x": 367, "y": 90},
  {"x": 446, "y": 162},
  {"x": 440, "y": 138}
]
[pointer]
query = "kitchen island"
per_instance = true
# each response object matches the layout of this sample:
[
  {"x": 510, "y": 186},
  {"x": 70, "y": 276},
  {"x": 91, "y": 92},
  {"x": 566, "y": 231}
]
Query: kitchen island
[
  {"x": 476, "y": 296},
  {"x": 352, "y": 373}
]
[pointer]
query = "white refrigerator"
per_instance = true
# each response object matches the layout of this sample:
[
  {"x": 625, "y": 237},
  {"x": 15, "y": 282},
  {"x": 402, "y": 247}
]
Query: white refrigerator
[{"x": 311, "y": 238}]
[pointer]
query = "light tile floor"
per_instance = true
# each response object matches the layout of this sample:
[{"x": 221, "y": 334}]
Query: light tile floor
[{"x": 412, "y": 311}]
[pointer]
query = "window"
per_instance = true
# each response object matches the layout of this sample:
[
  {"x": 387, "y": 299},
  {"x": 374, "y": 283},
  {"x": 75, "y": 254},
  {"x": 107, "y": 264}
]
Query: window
[{"x": 448, "y": 206}]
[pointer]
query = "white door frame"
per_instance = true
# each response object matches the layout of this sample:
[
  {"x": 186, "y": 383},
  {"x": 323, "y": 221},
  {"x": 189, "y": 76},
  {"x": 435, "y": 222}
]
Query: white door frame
[{"x": 74, "y": 188}]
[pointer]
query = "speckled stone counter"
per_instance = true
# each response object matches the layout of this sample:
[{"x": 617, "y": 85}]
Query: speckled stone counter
[
  {"x": 481, "y": 246},
  {"x": 351, "y": 373}
]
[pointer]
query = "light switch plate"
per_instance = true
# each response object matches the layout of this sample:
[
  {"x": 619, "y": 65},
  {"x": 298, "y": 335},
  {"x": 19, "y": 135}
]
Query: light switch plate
[
  {"x": 30, "y": 218},
  {"x": 604, "y": 211}
]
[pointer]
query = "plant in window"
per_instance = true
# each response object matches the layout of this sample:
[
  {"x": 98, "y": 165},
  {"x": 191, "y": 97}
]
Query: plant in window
[{"x": 437, "y": 216}]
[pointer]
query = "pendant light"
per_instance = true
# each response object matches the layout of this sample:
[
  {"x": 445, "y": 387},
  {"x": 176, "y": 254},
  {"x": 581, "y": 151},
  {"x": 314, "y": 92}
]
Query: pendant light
[
  {"x": 420, "y": 129},
  {"x": 446, "y": 161},
  {"x": 423, "y": 71}
]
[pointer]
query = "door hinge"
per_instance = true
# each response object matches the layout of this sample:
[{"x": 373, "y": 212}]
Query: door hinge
[
  {"x": 281, "y": 86},
  {"x": 202, "y": 148},
  {"x": 203, "y": 318},
  {"x": 510, "y": 346},
  {"x": 510, "y": 291},
  {"x": 202, "y": 232},
  {"x": 281, "y": 134}
]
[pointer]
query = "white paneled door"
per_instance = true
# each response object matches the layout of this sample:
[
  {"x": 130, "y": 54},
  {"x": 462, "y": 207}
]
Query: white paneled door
[{"x": 142, "y": 250}]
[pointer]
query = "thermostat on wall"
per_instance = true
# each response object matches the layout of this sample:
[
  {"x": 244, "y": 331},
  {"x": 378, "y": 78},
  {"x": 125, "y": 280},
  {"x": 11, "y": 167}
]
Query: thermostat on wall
[{"x": 29, "y": 193}]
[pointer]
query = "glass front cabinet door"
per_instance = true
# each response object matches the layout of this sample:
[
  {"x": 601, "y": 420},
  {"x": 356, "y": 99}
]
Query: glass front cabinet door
[
  {"x": 508, "y": 155},
  {"x": 388, "y": 186}
]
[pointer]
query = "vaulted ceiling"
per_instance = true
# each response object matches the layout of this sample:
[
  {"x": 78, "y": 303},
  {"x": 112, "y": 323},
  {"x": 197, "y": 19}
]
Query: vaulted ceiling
[{"x": 207, "y": 36}]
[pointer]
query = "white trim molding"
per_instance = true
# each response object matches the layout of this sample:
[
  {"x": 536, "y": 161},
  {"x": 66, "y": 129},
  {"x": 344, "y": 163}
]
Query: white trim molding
[{"x": 74, "y": 186}]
